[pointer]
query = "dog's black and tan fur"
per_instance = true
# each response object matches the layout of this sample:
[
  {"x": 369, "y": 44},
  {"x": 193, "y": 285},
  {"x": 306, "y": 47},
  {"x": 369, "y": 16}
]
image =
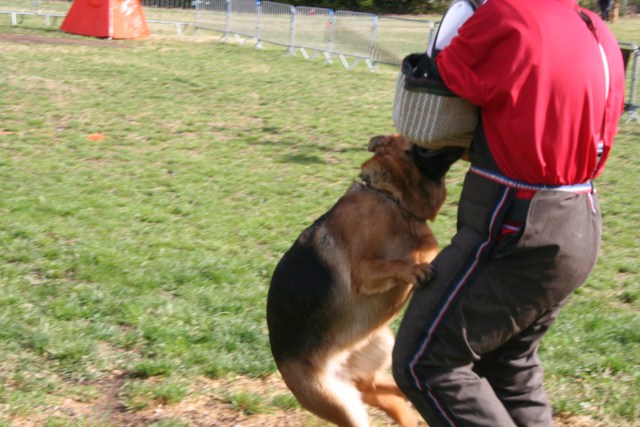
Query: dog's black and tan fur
[{"x": 334, "y": 293}]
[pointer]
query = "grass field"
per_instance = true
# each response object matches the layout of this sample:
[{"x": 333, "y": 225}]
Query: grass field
[{"x": 148, "y": 188}]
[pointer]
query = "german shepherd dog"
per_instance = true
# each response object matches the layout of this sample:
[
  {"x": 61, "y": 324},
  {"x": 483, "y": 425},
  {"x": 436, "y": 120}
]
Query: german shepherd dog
[{"x": 335, "y": 291}]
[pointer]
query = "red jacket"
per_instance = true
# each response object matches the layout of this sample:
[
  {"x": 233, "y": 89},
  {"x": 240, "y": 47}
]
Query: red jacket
[{"x": 535, "y": 69}]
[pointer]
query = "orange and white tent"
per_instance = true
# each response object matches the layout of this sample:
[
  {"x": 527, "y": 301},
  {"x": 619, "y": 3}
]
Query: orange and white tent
[{"x": 116, "y": 19}]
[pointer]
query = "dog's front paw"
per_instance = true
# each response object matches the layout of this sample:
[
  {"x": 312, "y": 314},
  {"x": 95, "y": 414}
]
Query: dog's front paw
[{"x": 424, "y": 273}]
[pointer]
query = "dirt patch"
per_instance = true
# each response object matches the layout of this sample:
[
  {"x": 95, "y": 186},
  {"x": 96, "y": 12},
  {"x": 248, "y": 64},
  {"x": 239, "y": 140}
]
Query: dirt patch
[
  {"x": 32, "y": 39},
  {"x": 209, "y": 403}
]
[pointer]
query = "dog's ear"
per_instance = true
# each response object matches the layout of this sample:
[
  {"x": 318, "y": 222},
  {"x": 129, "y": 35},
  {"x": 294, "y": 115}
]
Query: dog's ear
[
  {"x": 379, "y": 141},
  {"x": 434, "y": 164}
]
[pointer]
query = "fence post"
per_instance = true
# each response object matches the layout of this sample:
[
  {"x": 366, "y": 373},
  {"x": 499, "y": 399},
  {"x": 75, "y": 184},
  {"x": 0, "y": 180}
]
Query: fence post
[
  {"x": 631, "y": 106},
  {"x": 374, "y": 41},
  {"x": 227, "y": 21},
  {"x": 432, "y": 31},
  {"x": 292, "y": 32},
  {"x": 196, "y": 18},
  {"x": 258, "y": 44},
  {"x": 332, "y": 26}
]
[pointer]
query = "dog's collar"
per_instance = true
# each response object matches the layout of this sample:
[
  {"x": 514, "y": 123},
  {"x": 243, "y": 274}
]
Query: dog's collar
[
  {"x": 367, "y": 186},
  {"x": 385, "y": 194}
]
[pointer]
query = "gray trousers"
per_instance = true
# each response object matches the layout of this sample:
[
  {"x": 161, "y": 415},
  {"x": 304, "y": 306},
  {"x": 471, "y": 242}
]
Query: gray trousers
[{"x": 466, "y": 350}]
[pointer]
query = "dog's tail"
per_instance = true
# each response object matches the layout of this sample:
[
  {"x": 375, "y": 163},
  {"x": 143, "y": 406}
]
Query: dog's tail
[{"x": 322, "y": 391}]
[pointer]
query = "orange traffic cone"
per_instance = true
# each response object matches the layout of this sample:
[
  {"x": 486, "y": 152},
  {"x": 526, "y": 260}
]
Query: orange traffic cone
[{"x": 116, "y": 19}]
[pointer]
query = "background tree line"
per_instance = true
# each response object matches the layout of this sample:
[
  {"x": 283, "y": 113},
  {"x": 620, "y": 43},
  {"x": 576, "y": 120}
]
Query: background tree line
[
  {"x": 422, "y": 6},
  {"x": 379, "y": 6}
]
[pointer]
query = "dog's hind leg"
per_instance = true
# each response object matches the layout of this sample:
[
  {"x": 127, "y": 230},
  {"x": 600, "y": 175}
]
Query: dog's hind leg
[
  {"x": 368, "y": 366},
  {"x": 394, "y": 405},
  {"x": 325, "y": 393}
]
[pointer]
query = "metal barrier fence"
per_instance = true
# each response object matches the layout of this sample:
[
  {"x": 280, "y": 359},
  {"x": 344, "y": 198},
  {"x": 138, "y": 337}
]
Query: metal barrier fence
[
  {"x": 397, "y": 37},
  {"x": 313, "y": 31},
  {"x": 211, "y": 15},
  {"x": 353, "y": 34},
  {"x": 51, "y": 10},
  {"x": 343, "y": 34},
  {"x": 631, "y": 58},
  {"x": 312, "y": 27},
  {"x": 276, "y": 24},
  {"x": 244, "y": 18},
  {"x": 17, "y": 7},
  {"x": 174, "y": 12}
]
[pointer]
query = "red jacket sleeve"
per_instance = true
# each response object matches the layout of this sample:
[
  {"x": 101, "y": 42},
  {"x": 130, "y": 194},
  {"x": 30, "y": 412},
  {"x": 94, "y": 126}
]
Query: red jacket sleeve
[{"x": 488, "y": 52}]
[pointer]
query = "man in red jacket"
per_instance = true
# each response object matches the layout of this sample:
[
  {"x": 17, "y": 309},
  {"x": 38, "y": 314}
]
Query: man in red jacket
[{"x": 549, "y": 80}]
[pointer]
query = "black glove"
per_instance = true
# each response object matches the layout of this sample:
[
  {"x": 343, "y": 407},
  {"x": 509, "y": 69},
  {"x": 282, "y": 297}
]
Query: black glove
[
  {"x": 421, "y": 74},
  {"x": 427, "y": 68}
]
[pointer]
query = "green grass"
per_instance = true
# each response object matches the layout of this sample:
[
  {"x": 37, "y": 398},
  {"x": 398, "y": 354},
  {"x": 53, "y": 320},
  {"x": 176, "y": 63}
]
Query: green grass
[
  {"x": 248, "y": 403},
  {"x": 150, "y": 252},
  {"x": 142, "y": 394}
]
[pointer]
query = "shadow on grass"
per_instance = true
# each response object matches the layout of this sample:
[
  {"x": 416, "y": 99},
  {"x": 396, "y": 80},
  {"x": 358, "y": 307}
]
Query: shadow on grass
[
  {"x": 306, "y": 153},
  {"x": 301, "y": 159}
]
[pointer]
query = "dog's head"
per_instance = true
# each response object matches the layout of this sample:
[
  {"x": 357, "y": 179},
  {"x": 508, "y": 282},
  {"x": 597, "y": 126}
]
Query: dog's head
[{"x": 412, "y": 175}]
